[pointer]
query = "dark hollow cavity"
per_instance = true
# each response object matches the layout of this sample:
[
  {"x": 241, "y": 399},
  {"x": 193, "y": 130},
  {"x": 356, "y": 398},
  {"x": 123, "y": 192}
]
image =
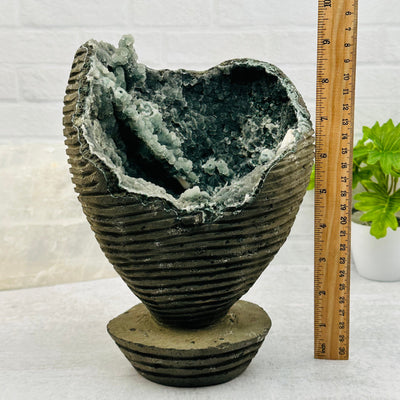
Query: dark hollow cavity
[{"x": 223, "y": 119}]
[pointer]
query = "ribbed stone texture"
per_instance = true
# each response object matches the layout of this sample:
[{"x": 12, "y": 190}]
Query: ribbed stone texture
[
  {"x": 187, "y": 225},
  {"x": 191, "y": 357}
]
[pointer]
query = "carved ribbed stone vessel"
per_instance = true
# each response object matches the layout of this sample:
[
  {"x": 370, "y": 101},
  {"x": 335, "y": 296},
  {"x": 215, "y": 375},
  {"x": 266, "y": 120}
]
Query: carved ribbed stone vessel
[{"x": 191, "y": 181}]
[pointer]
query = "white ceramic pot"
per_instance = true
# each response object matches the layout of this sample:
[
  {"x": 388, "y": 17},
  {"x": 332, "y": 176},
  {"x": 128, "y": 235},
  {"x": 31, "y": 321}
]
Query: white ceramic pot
[{"x": 376, "y": 259}]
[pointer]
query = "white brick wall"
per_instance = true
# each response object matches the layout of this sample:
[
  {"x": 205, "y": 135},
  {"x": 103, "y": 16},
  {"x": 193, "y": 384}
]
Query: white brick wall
[
  {"x": 38, "y": 40},
  {"x": 171, "y": 13}
]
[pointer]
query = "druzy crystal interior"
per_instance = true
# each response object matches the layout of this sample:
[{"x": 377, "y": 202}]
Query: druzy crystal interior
[{"x": 202, "y": 141}]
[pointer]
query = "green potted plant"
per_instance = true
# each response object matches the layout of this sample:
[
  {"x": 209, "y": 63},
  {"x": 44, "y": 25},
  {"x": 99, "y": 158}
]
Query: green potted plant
[
  {"x": 376, "y": 202},
  {"x": 376, "y": 173}
]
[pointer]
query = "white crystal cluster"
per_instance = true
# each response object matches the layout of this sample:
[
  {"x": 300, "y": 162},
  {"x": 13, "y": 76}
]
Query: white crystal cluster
[{"x": 213, "y": 135}]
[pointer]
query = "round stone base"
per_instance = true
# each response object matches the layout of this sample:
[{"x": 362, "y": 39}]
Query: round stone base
[{"x": 191, "y": 357}]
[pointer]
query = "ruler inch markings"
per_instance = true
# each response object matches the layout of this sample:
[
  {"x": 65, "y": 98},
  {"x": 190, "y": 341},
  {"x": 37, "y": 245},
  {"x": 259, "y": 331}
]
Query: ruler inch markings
[{"x": 336, "y": 58}]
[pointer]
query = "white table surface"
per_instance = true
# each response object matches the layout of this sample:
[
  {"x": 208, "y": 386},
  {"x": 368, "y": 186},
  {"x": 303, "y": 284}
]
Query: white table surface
[{"x": 54, "y": 344}]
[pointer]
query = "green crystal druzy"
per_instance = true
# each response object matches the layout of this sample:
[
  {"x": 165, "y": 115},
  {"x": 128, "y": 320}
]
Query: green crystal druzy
[{"x": 203, "y": 141}]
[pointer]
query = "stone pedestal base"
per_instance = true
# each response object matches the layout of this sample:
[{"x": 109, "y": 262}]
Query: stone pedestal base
[{"x": 191, "y": 357}]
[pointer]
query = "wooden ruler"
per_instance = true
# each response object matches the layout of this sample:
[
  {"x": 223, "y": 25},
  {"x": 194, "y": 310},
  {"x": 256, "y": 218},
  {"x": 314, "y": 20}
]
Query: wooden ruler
[{"x": 336, "y": 62}]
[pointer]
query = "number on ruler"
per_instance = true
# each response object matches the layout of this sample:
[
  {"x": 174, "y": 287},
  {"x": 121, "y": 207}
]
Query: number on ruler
[{"x": 335, "y": 83}]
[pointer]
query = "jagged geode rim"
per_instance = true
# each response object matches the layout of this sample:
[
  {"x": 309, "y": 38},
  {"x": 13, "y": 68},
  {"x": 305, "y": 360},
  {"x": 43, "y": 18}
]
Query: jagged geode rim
[{"x": 247, "y": 186}]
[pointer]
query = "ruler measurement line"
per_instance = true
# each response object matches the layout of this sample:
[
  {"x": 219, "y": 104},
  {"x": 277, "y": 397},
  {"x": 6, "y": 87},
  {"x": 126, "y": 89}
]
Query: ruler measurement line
[{"x": 336, "y": 57}]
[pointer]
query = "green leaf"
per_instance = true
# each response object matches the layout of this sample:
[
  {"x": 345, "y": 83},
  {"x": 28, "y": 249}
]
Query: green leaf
[
  {"x": 311, "y": 184},
  {"x": 361, "y": 170},
  {"x": 360, "y": 176},
  {"x": 361, "y": 151},
  {"x": 379, "y": 209},
  {"x": 395, "y": 173},
  {"x": 366, "y": 132},
  {"x": 375, "y": 187},
  {"x": 371, "y": 173},
  {"x": 380, "y": 176},
  {"x": 386, "y": 146},
  {"x": 395, "y": 198},
  {"x": 379, "y": 227}
]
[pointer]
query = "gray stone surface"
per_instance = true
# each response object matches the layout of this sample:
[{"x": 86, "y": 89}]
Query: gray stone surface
[
  {"x": 54, "y": 345},
  {"x": 191, "y": 357}
]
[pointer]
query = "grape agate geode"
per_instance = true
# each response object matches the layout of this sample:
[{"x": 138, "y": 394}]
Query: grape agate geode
[{"x": 190, "y": 180}]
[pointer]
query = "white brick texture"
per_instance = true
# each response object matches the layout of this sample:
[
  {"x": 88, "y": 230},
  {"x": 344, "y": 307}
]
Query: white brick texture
[
  {"x": 391, "y": 52},
  {"x": 39, "y": 38},
  {"x": 261, "y": 13},
  {"x": 210, "y": 48},
  {"x": 9, "y": 13},
  {"x": 41, "y": 83},
  {"x": 38, "y": 41},
  {"x": 171, "y": 13},
  {"x": 8, "y": 84},
  {"x": 45, "y": 47},
  {"x": 73, "y": 13},
  {"x": 375, "y": 12}
]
